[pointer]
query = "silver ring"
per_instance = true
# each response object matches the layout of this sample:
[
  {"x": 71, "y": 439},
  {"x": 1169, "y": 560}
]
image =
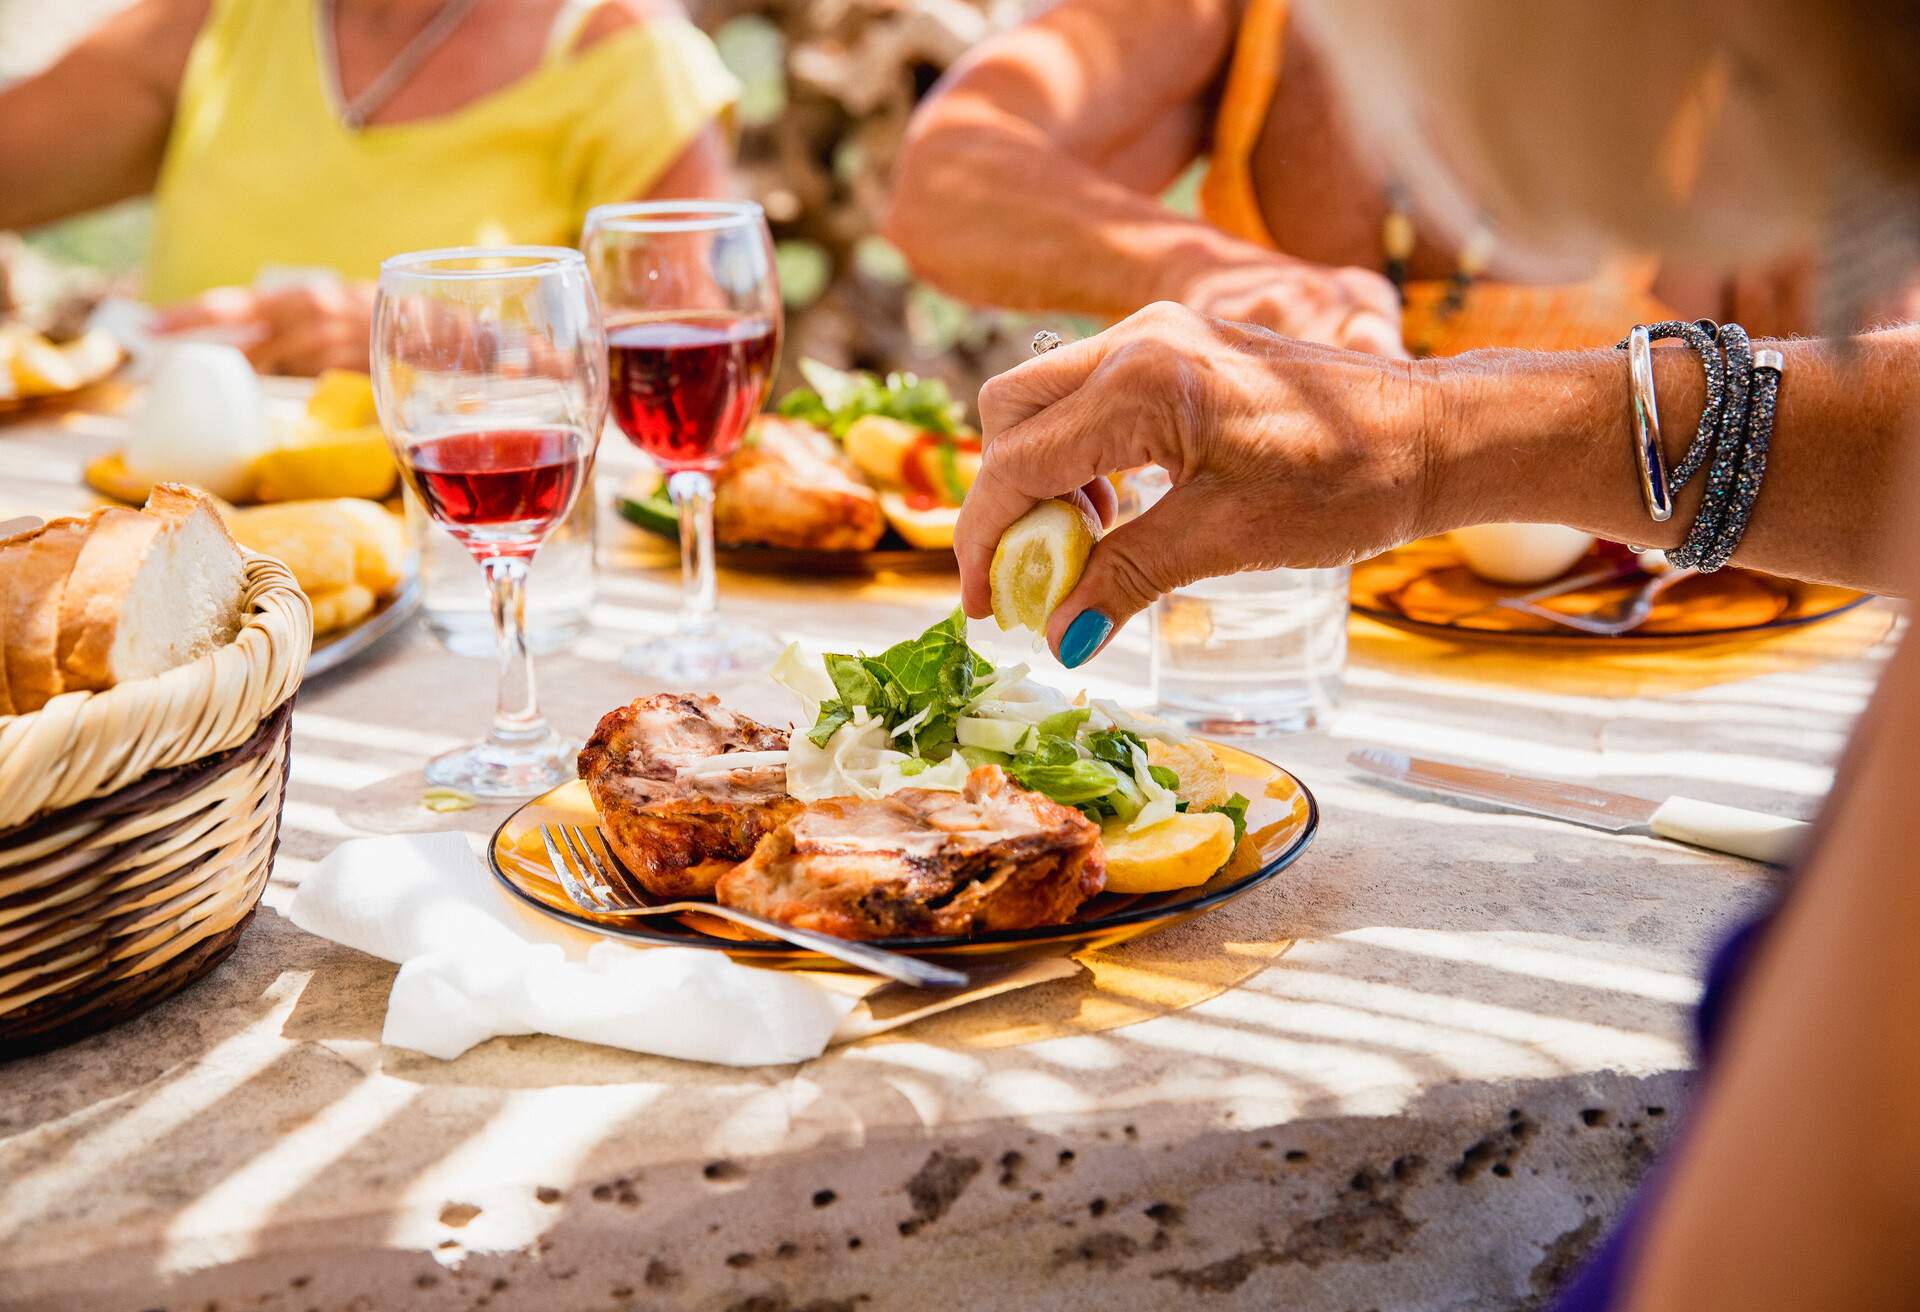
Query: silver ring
[{"x": 1045, "y": 340}]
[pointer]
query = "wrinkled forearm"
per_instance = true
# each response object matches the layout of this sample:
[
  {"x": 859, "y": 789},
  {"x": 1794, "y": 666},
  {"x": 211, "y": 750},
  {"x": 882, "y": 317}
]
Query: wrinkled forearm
[
  {"x": 1524, "y": 436},
  {"x": 988, "y": 210}
]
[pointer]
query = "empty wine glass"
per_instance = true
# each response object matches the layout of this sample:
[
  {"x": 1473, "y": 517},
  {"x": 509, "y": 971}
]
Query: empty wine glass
[
  {"x": 490, "y": 373},
  {"x": 693, "y": 326}
]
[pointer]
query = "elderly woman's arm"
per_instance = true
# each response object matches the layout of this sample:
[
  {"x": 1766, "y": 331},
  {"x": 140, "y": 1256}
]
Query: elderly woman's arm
[
  {"x": 91, "y": 128},
  {"x": 1288, "y": 454},
  {"x": 1030, "y": 178}
]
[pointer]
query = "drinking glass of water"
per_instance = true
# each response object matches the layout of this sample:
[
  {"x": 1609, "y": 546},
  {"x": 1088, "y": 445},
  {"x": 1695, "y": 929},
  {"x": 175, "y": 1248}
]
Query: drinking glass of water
[{"x": 1257, "y": 653}]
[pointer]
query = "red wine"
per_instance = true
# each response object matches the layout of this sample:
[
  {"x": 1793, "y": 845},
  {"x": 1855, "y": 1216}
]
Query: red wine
[
  {"x": 501, "y": 490},
  {"x": 684, "y": 390}
]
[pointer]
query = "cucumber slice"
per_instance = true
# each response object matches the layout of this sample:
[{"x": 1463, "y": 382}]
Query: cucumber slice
[
  {"x": 979, "y": 756},
  {"x": 654, "y": 514},
  {"x": 994, "y": 735}
]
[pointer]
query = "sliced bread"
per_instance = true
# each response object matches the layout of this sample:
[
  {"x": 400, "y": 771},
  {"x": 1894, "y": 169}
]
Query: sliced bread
[
  {"x": 13, "y": 550},
  {"x": 147, "y": 596},
  {"x": 37, "y": 581}
]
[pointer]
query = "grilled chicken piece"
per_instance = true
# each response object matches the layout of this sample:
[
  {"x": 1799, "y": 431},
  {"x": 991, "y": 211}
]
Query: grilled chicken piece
[
  {"x": 923, "y": 862},
  {"x": 792, "y": 486},
  {"x": 678, "y": 832}
]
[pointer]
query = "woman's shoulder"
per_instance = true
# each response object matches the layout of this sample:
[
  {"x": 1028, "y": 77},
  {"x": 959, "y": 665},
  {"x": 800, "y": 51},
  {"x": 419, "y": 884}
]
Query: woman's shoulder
[{"x": 611, "y": 17}]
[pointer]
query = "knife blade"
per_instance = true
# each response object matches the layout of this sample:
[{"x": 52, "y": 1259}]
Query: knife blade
[{"x": 1731, "y": 829}]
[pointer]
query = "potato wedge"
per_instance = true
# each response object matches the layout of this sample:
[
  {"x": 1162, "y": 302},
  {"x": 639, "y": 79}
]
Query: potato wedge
[
  {"x": 1203, "y": 780},
  {"x": 930, "y": 529},
  {"x": 1179, "y": 852},
  {"x": 879, "y": 446},
  {"x": 317, "y": 547},
  {"x": 340, "y": 608}
]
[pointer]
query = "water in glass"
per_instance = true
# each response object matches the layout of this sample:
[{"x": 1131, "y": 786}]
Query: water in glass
[{"x": 1256, "y": 653}]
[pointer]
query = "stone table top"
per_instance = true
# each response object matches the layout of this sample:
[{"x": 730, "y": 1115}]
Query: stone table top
[{"x": 1435, "y": 1097}]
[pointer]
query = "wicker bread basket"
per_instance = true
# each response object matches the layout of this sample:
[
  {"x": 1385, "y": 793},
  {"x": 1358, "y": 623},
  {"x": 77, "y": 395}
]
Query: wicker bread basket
[{"x": 137, "y": 825}]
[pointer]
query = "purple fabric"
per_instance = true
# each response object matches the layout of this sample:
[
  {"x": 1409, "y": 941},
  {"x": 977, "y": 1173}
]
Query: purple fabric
[{"x": 1601, "y": 1285}]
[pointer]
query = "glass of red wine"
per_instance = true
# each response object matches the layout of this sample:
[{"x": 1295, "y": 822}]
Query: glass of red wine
[
  {"x": 490, "y": 373},
  {"x": 693, "y": 329}
]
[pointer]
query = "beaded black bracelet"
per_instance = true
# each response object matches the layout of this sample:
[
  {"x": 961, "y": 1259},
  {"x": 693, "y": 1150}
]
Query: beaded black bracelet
[{"x": 1731, "y": 443}]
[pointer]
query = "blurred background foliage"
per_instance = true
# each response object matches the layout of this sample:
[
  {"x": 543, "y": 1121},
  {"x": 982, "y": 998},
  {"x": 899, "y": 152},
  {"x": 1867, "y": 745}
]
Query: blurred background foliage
[{"x": 829, "y": 85}]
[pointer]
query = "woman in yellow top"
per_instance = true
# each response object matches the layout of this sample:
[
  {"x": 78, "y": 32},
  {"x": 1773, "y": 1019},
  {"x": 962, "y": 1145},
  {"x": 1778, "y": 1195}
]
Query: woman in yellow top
[{"x": 304, "y": 135}]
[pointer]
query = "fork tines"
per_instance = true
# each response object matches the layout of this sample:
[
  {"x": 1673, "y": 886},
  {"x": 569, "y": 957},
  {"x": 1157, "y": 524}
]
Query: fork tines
[{"x": 582, "y": 872}]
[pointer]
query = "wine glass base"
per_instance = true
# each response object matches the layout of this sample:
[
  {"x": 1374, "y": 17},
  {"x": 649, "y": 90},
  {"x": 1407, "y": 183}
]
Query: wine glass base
[
  {"x": 692, "y": 661},
  {"x": 490, "y": 769}
]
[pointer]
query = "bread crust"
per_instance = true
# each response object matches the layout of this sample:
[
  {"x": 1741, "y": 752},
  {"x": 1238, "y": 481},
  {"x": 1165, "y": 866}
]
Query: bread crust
[
  {"x": 116, "y": 550},
  {"x": 33, "y": 621},
  {"x": 13, "y": 550},
  {"x": 176, "y": 502}
]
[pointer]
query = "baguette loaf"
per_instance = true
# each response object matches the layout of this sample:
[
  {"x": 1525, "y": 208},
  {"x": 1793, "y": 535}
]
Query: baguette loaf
[
  {"x": 12, "y": 551},
  {"x": 150, "y": 591},
  {"x": 38, "y": 580}
]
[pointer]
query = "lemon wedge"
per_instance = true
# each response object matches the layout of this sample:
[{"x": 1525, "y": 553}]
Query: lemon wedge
[
  {"x": 349, "y": 463},
  {"x": 92, "y": 355},
  {"x": 343, "y": 398},
  {"x": 1038, "y": 562},
  {"x": 42, "y": 369}
]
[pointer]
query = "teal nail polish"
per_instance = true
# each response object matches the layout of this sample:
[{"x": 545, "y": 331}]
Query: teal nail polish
[{"x": 1083, "y": 637}]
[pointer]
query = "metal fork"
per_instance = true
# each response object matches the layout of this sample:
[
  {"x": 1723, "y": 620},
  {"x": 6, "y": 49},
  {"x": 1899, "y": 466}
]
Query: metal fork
[
  {"x": 592, "y": 888},
  {"x": 1624, "y": 618}
]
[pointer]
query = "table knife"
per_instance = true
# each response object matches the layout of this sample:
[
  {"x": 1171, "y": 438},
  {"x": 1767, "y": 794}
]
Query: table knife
[{"x": 1751, "y": 834}]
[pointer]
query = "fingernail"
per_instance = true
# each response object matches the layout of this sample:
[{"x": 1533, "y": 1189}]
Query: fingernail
[{"x": 1083, "y": 637}]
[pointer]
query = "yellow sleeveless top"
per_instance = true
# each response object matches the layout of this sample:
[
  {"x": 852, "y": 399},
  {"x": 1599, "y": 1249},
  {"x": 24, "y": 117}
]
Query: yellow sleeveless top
[
  {"x": 259, "y": 170},
  {"x": 1575, "y": 316}
]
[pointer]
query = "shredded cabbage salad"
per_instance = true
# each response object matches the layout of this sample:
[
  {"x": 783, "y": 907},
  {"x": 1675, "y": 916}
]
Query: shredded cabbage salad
[{"x": 926, "y": 711}]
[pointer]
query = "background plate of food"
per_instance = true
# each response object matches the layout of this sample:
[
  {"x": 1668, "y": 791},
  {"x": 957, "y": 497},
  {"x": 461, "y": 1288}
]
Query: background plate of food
[
  {"x": 925, "y": 801},
  {"x": 1426, "y": 587},
  {"x": 38, "y": 373},
  {"x": 303, "y": 473},
  {"x": 853, "y": 473}
]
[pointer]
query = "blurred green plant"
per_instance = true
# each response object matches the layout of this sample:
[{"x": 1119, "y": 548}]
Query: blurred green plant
[{"x": 805, "y": 271}]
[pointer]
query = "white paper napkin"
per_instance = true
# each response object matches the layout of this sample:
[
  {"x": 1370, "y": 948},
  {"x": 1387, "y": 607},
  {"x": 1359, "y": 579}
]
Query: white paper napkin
[{"x": 475, "y": 965}]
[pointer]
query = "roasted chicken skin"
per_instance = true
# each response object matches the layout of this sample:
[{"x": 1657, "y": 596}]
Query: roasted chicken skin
[
  {"x": 923, "y": 862},
  {"x": 678, "y": 831},
  {"x": 792, "y": 486}
]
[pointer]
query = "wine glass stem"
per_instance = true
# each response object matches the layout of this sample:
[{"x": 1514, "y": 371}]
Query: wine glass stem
[
  {"x": 692, "y": 494},
  {"x": 516, "y": 716}
]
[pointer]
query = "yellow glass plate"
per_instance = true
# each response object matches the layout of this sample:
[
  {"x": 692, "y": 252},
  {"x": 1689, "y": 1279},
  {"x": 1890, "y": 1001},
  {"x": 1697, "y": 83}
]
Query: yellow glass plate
[
  {"x": 1281, "y": 820},
  {"x": 1424, "y": 588}
]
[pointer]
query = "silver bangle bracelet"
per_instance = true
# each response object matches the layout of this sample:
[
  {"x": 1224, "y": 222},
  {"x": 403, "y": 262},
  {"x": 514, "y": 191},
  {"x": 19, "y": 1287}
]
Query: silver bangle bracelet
[
  {"x": 1650, "y": 456},
  {"x": 1736, "y": 430}
]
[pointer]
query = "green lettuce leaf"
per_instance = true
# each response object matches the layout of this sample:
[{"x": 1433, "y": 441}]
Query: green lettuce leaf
[
  {"x": 1070, "y": 785},
  {"x": 1115, "y": 747},
  {"x": 835, "y": 398},
  {"x": 1235, "y": 809},
  {"x": 1064, "y": 724},
  {"x": 928, "y": 680},
  {"x": 832, "y": 715}
]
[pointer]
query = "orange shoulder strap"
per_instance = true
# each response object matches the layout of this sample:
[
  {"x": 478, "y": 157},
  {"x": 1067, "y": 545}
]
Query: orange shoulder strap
[{"x": 1227, "y": 198}]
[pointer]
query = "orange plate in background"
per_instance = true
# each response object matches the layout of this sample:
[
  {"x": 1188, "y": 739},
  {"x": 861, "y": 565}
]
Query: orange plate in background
[
  {"x": 1424, "y": 588},
  {"x": 1281, "y": 820}
]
